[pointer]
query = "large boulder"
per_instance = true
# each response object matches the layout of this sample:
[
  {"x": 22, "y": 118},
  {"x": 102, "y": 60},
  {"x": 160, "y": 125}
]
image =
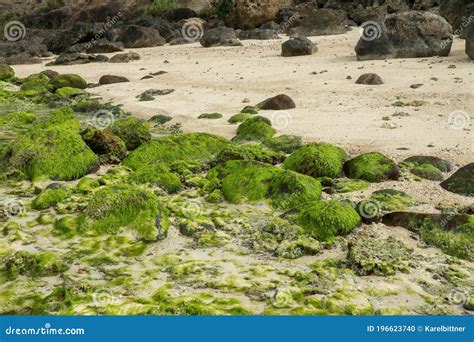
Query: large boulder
[
  {"x": 299, "y": 46},
  {"x": 470, "y": 43},
  {"x": 406, "y": 35},
  {"x": 138, "y": 37},
  {"x": 459, "y": 13},
  {"x": 220, "y": 36},
  {"x": 462, "y": 181},
  {"x": 322, "y": 22},
  {"x": 249, "y": 14},
  {"x": 259, "y": 33}
]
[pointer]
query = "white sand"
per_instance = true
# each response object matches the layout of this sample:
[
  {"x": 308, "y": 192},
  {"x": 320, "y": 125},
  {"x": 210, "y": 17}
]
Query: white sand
[{"x": 330, "y": 107}]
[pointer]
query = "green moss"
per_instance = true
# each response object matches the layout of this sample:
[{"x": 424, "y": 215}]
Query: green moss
[
  {"x": 65, "y": 227},
  {"x": 33, "y": 264},
  {"x": 249, "y": 152},
  {"x": 250, "y": 110},
  {"x": 344, "y": 185},
  {"x": 6, "y": 72},
  {"x": 110, "y": 148},
  {"x": 242, "y": 181},
  {"x": 379, "y": 256},
  {"x": 134, "y": 132},
  {"x": 117, "y": 206},
  {"x": 284, "y": 143},
  {"x": 327, "y": 219},
  {"x": 69, "y": 91},
  {"x": 441, "y": 164},
  {"x": 241, "y": 117},
  {"x": 317, "y": 160},
  {"x": 157, "y": 174},
  {"x": 191, "y": 148},
  {"x": 86, "y": 185},
  {"x": 16, "y": 119},
  {"x": 256, "y": 128},
  {"x": 214, "y": 197},
  {"x": 68, "y": 80},
  {"x": 36, "y": 82},
  {"x": 48, "y": 198},
  {"x": 372, "y": 167},
  {"x": 393, "y": 200},
  {"x": 51, "y": 148},
  {"x": 462, "y": 181},
  {"x": 212, "y": 116},
  {"x": 427, "y": 171}
]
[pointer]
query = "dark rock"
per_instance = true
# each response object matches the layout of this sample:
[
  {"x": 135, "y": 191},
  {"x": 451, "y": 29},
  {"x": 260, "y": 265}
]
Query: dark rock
[
  {"x": 441, "y": 164},
  {"x": 259, "y": 34},
  {"x": 406, "y": 35},
  {"x": 160, "y": 119},
  {"x": 220, "y": 36},
  {"x": 178, "y": 14},
  {"x": 124, "y": 57},
  {"x": 279, "y": 102},
  {"x": 299, "y": 46},
  {"x": 322, "y": 22},
  {"x": 25, "y": 51},
  {"x": 470, "y": 43},
  {"x": 180, "y": 41},
  {"x": 413, "y": 221},
  {"x": 458, "y": 13},
  {"x": 110, "y": 148},
  {"x": 77, "y": 58},
  {"x": 110, "y": 79},
  {"x": 461, "y": 182},
  {"x": 102, "y": 45},
  {"x": 139, "y": 37},
  {"x": 369, "y": 79},
  {"x": 149, "y": 95}
]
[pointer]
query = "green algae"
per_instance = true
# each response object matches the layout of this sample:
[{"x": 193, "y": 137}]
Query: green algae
[
  {"x": 373, "y": 167},
  {"x": 157, "y": 174},
  {"x": 211, "y": 116},
  {"x": 134, "y": 132},
  {"x": 17, "y": 119},
  {"x": 284, "y": 143},
  {"x": 427, "y": 171},
  {"x": 345, "y": 185},
  {"x": 249, "y": 152},
  {"x": 33, "y": 264},
  {"x": 68, "y": 80},
  {"x": 393, "y": 200},
  {"x": 237, "y": 118},
  {"x": 256, "y": 128},
  {"x": 48, "y": 198},
  {"x": 6, "y": 72}
]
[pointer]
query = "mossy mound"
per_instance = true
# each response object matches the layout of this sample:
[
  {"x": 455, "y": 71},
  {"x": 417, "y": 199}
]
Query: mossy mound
[
  {"x": 440, "y": 164},
  {"x": 427, "y": 171},
  {"x": 317, "y": 160},
  {"x": 33, "y": 264},
  {"x": 249, "y": 152},
  {"x": 134, "y": 132},
  {"x": 52, "y": 148},
  {"x": 69, "y": 92},
  {"x": 157, "y": 174},
  {"x": 241, "y": 117},
  {"x": 197, "y": 148},
  {"x": 86, "y": 185},
  {"x": 110, "y": 148},
  {"x": 68, "y": 80},
  {"x": 284, "y": 143},
  {"x": 373, "y": 167},
  {"x": 250, "y": 110},
  {"x": 326, "y": 219},
  {"x": 211, "y": 116},
  {"x": 381, "y": 257},
  {"x": 16, "y": 119},
  {"x": 393, "y": 200},
  {"x": 256, "y": 128},
  {"x": 124, "y": 206},
  {"x": 160, "y": 119},
  {"x": 36, "y": 82},
  {"x": 345, "y": 185},
  {"x": 6, "y": 72},
  {"x": 462, "y": 181},
  {"x": 250, "y": 181},
  {"x": 48, "y": 198}
]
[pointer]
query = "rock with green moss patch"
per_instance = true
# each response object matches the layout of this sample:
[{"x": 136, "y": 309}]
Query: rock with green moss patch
[
  {"x": 241, "y": 117},
  {"x": 317, "y": 160},
  {"x": 285, "y": 143},
  {"x": 110, "y": 148},
  {"x": 160, "y": 119},
  {"x": 52, "y": 148},
  {"x": 134, "y": 132},
  {"x": 33, "y": 264},
  {"x": 249, "y": 152},
  {"x": 393, "y": 200},
  {"x": 157, "y": 174},
  {"x": 250, "y": 110},
  {"x": 250, "y": 181},
  {"x": 86, "y": 185},
  {"x": 68, "y": 80},
  {"x": 190, "y": 148},
  {"x": 326, "y": 219},
  {"x": 69, "y": 92},
  {"x": 214, "y": 197},
  {"x": 382, "y": 257},
  {"x": 16, "y": 119},
  {"x": 427, "y": 171},
  {"x": 6, "y": 72},
  {"x": 345, "y": 185},
  {"x": 48, "y": 198},
  {"x": 256, "y": 128},
  {"x": 462, "y": 181},
  {"x": 211, "y": 116},
  {"x": 373, "y": 167},
  {"x": 36, "y": 82},
  {"x": 125, "y": 206},
  {"x": 441, "y": 164}
]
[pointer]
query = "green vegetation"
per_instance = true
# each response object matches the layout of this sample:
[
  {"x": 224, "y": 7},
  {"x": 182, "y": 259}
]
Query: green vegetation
[
  {"x": 284, "y": 143},
  {"x": 157, "y": 7},
  {"x": 68, "y": 80},
  {"x": 134, "y": 132},
  {"x": 427, "y": 171},
  {"x": 17, "y": 119},
  {"x": 241, "y": 117},
  {"x": 32, "y": 264},
  {"x": 6, "y": 72},
  {"x": 49, "y": 198},
  {"x": 159, "y": 175},
  {"x": 249, "y": 152},
  {"x": 373, "y": 167},
  {"x": 212, "y": 116},
  {"x": 256, "y": 128},
  {"x": 393, "y": 200},
  {"x": 221, "y": 7}
]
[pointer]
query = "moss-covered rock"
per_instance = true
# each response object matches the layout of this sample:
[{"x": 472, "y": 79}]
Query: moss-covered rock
[
  {"x": 197, "y": 148},
  {"x": 69, "y": 92},
  {"x": 249, "y": 152},
  {"x": 124, "y": 206},
  {"x": 242, "y": 181},
  {"x": 68, "y": 80},
  {"x": 441, "y": 164},
  {"x": 344, "y": 185},
  {"x": 326, "y": 219},
  {"x": 285, "y": 143},
  {"x": 52, "y": 148},
  {"x": 317, "y": 160},
  {"x": 241, "y": 117},
  {"x": 33, "y": 264},
  {"x": 87, "y": 185},
  {"x": 462, "y": 181},
  {"x": 427, "y": 171},
  {"x": 110, "y": 148},
  {"x": 49, "y": 198},
  {"x": 157, "y": 174},
  {"x": 36, "y": 82},
  {"x": 393, "y": 200},
  {"x": 134, "y": 132},
  {"x": 16, "y": 119},
  {"x": 250, "y": 110},
  {"x": 160, "y": 119},
  {"x": 373, "y": 167},
  {"x": 256, "y": 128},
  {"x": 6, "y": 72},
  {"x": 381, "y": 257},
  {"x": 211, "y": 116}
]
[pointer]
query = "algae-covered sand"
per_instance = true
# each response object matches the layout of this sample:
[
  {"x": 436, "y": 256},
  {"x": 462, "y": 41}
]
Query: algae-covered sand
[{"x": 104, "y": 213}]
